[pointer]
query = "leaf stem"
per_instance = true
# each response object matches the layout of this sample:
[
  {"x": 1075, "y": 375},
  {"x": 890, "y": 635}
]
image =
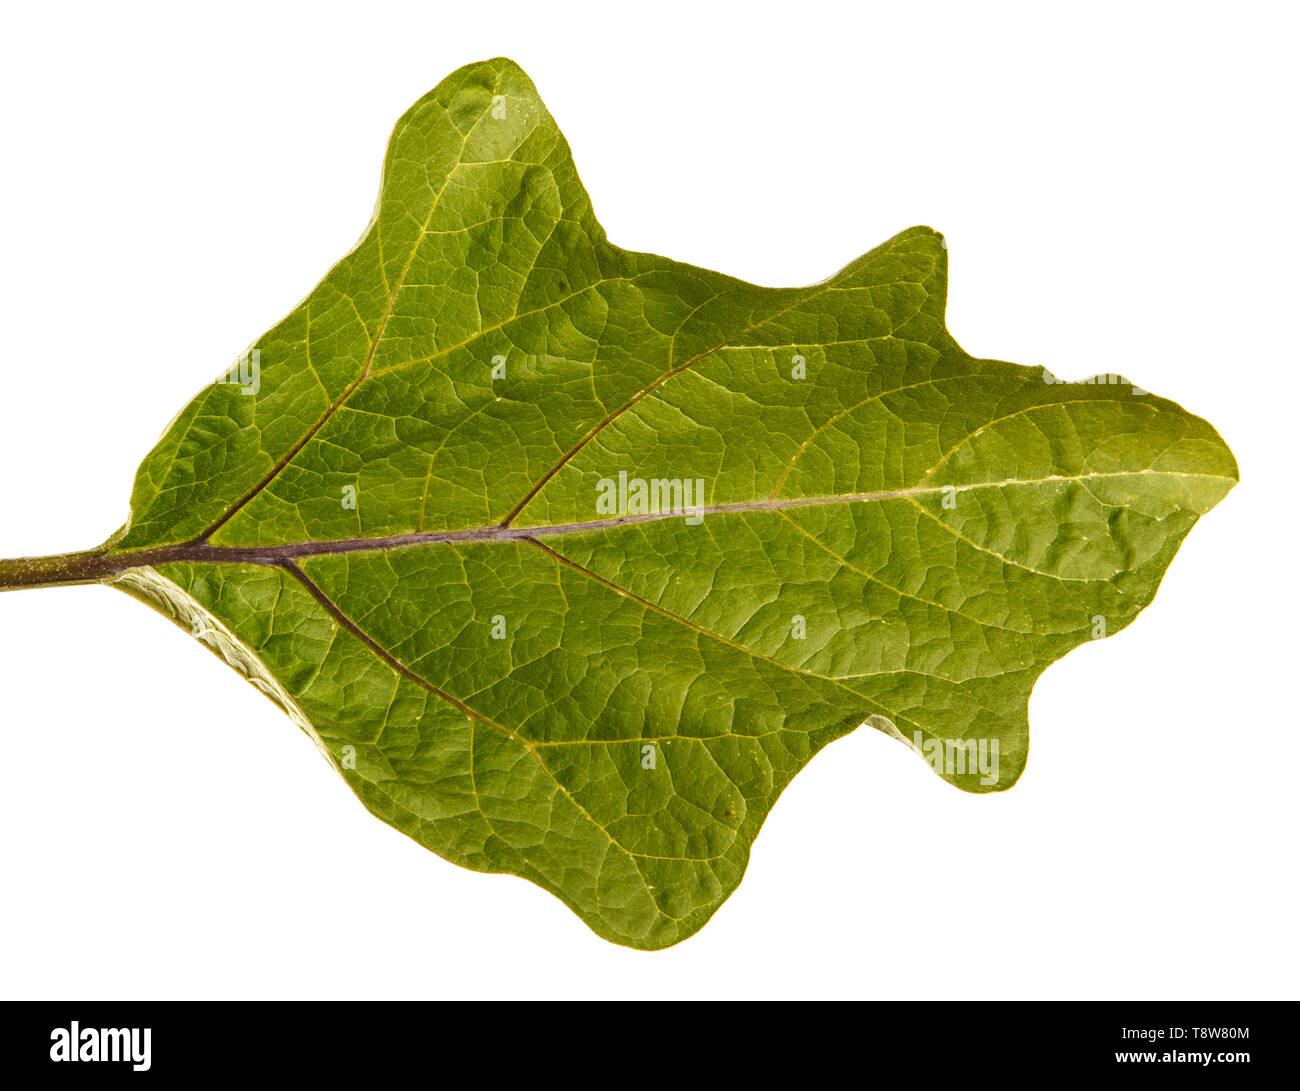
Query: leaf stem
[{"x": 90, "y": 566}]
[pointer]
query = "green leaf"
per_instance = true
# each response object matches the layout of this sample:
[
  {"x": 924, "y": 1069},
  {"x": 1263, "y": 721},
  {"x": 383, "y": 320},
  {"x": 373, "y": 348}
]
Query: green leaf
[{"x": 413, "y": 519}]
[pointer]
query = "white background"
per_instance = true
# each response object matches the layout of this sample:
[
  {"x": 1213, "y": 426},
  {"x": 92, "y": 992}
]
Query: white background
[{"x": 1117, "y": 185}]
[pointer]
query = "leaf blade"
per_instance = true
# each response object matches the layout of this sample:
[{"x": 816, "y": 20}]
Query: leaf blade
[{"x": 940, "y": 527}]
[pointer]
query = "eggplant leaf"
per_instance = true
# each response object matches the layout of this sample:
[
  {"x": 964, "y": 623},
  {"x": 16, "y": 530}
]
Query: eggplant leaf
[{"x": 569, "y": 558}]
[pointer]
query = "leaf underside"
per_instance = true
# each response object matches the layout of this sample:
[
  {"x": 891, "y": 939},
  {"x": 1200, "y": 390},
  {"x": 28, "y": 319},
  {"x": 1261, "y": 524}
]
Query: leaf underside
[{"x": 401, "y": 535}]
